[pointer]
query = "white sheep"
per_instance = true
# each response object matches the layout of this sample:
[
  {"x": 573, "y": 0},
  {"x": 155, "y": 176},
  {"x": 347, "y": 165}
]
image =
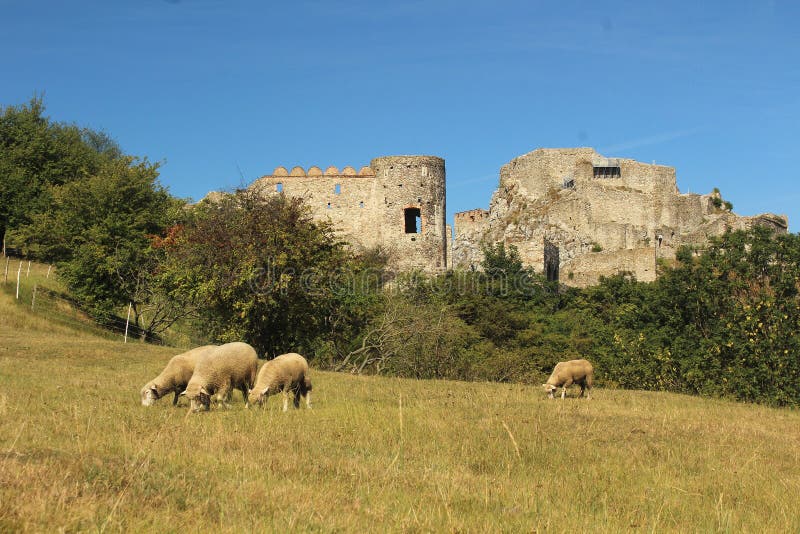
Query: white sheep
[
  {"x": 219, "y": 372},
  {"x": 284, "y": 373},
  {"x": 567, "y": 373},
  {"x": 174, "y": 377}
]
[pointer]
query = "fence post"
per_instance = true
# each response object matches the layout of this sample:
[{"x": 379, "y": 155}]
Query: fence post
[
  {"x": 127, "y": 321},
  {"x": 48, "y": 271},
  {"x": 33, "y": 299},
  {"x": 29, "y": 270},
  {"x": 19, "y": 271}
]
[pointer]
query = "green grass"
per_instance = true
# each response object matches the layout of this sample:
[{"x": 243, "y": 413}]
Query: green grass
[{"x": 79, "y": 453}]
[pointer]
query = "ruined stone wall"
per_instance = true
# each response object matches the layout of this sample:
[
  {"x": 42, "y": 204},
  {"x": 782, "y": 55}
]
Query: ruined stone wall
[
  {"x": 603, "y": 215},
  {"x": 368, "y": 207}
]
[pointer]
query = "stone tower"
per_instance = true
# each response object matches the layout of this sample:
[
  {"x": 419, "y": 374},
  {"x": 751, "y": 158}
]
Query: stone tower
[{"x": 412, "y": 222}]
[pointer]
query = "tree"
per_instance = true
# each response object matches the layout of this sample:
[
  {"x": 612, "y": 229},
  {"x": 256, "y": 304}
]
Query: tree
[
  {"x": 36, "y": 153},
  {"x": 99, "y": 232},
  {"x": 267, "y": 272}
]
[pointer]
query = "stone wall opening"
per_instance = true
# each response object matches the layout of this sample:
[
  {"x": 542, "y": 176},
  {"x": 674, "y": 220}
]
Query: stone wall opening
[
  {"x": 413, "y": 220},
  {"x": 607, "y": 172},
  {"x": 551, "y": 261}
]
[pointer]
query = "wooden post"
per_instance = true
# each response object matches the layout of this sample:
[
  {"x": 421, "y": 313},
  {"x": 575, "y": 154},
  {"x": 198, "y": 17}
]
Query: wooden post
[
  {"x": 19, "y": 271},
  {"x": 48, "y": 271},
  {"x": 127, "y": 322},
  {"x": 33, "y": 299},
  {"x": 29, "y": 270}
]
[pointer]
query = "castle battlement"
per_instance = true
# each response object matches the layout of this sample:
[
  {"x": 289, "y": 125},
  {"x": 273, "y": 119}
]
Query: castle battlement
[
  {"x": 314, "y": 171},
  {"x": 471, "y": 216}
]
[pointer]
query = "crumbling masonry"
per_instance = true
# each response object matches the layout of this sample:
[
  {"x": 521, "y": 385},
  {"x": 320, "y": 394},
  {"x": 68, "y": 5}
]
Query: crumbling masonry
[{"x": 573, "y": 214}]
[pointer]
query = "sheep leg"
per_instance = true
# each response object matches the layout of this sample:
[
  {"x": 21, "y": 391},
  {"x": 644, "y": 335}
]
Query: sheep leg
[
  {"x": 224, "y": 395},
  {"x": 297, "y": 398},
  {"x": 285, "y": 400},
  {"x": 567, "y": 384},
  {"x": 175, "y": 400},
  {"x": 588, "y": 386},
  {"x": 308, "y": 400}
]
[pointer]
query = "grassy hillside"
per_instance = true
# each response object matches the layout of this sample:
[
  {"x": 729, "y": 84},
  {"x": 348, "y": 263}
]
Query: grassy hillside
[{"x": 78, "y": 452}]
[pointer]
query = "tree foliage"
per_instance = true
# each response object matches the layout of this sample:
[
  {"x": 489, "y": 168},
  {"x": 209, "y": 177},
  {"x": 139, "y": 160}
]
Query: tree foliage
[
  {"x": 36, "y": 153},
  {"x": 268, "y": 273}
]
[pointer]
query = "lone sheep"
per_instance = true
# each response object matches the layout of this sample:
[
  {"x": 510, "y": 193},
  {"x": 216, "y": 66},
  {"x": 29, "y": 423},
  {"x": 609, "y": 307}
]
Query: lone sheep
[
  {"x": 174, "y": 377},
  {"x": 283, "y": 373},
  {"x": 219, "y": 372},
  {"x": 567, "y": 373}
]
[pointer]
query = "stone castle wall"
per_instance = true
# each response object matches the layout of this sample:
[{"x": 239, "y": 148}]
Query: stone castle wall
[
  {"x": 597, "y": 215},
  {"x": 370, "y": 207},
  {"x": 572, "y": 213}
]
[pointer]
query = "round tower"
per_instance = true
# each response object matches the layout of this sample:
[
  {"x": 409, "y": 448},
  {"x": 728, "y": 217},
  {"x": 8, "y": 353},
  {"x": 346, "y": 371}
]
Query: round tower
[{"x": 412, "y": 226}]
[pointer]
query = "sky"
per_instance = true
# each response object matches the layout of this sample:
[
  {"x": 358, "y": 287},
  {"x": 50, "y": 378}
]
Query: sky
[{"x": 222, "y": 92}]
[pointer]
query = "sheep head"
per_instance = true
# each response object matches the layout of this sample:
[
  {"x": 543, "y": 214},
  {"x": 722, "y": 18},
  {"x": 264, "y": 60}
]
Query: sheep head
[
  {"x": 549, "y": 388},
  {"x": 149, "y": 394},
  {"x": 199, "y": 398},
  {"x": 257, "y": 397}
]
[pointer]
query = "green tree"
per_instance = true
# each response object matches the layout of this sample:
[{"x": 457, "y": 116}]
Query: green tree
[
  {"x": 268, "y": 273},
  {"x": 99, "y": 232},
  {"x": 36, "y": 153}
]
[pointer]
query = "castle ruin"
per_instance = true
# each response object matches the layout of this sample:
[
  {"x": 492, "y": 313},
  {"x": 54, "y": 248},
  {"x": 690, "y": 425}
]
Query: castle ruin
[
  {"x": 397, "y": 203},
  {"x": 573, "y": 214},
  {"x": 576, "y": 215}
]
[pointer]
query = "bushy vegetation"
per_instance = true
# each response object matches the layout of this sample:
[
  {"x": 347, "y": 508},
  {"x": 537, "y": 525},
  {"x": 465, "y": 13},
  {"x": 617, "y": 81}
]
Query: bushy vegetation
[{"x": 720, "y": 323}]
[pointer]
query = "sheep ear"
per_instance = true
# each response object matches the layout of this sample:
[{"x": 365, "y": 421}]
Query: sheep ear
[
  {"x": 204, "y": 391},
  {"x": 183, "y": 394},
  {"x": 265, "y": 390}
]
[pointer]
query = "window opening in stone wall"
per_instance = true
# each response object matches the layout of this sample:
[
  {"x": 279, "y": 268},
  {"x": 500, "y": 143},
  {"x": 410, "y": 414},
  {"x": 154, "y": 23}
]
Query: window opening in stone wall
[
  {"x": 361, "y": 204},
  {"x": 337, "y": 189},
  {"x": 329, "y": 205},
  {"x": 413, "y": 218},
  {"x": 279, "y": 187},
  {"x": 607, "y": 172}
]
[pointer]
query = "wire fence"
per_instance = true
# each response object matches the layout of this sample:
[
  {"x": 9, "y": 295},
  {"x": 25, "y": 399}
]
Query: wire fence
[{"x": 35, "y": 288}]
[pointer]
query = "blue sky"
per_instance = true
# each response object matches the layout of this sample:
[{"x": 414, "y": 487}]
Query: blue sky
[{"x": 224, "y": 91}]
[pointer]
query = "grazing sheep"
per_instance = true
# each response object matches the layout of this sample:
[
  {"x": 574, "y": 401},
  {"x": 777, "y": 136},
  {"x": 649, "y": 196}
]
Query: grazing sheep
[
  {"x": 174, "y": 377},
  {"x": 283, "y": 373},
  {"x": 219, "y": 372},
  {"x": 567, "y": 373}
]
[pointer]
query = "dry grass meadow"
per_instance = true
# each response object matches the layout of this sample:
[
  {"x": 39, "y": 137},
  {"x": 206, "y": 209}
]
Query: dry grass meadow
[{"x": 79, "y": 453}]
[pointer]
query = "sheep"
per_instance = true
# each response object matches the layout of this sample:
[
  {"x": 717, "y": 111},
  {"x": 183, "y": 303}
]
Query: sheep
[
  {"x": 174, "y": 377},
  {"x": 219, "y": 372},
  {"x": 283, "y": 373},
  {"x": 567, "y": 373}
]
